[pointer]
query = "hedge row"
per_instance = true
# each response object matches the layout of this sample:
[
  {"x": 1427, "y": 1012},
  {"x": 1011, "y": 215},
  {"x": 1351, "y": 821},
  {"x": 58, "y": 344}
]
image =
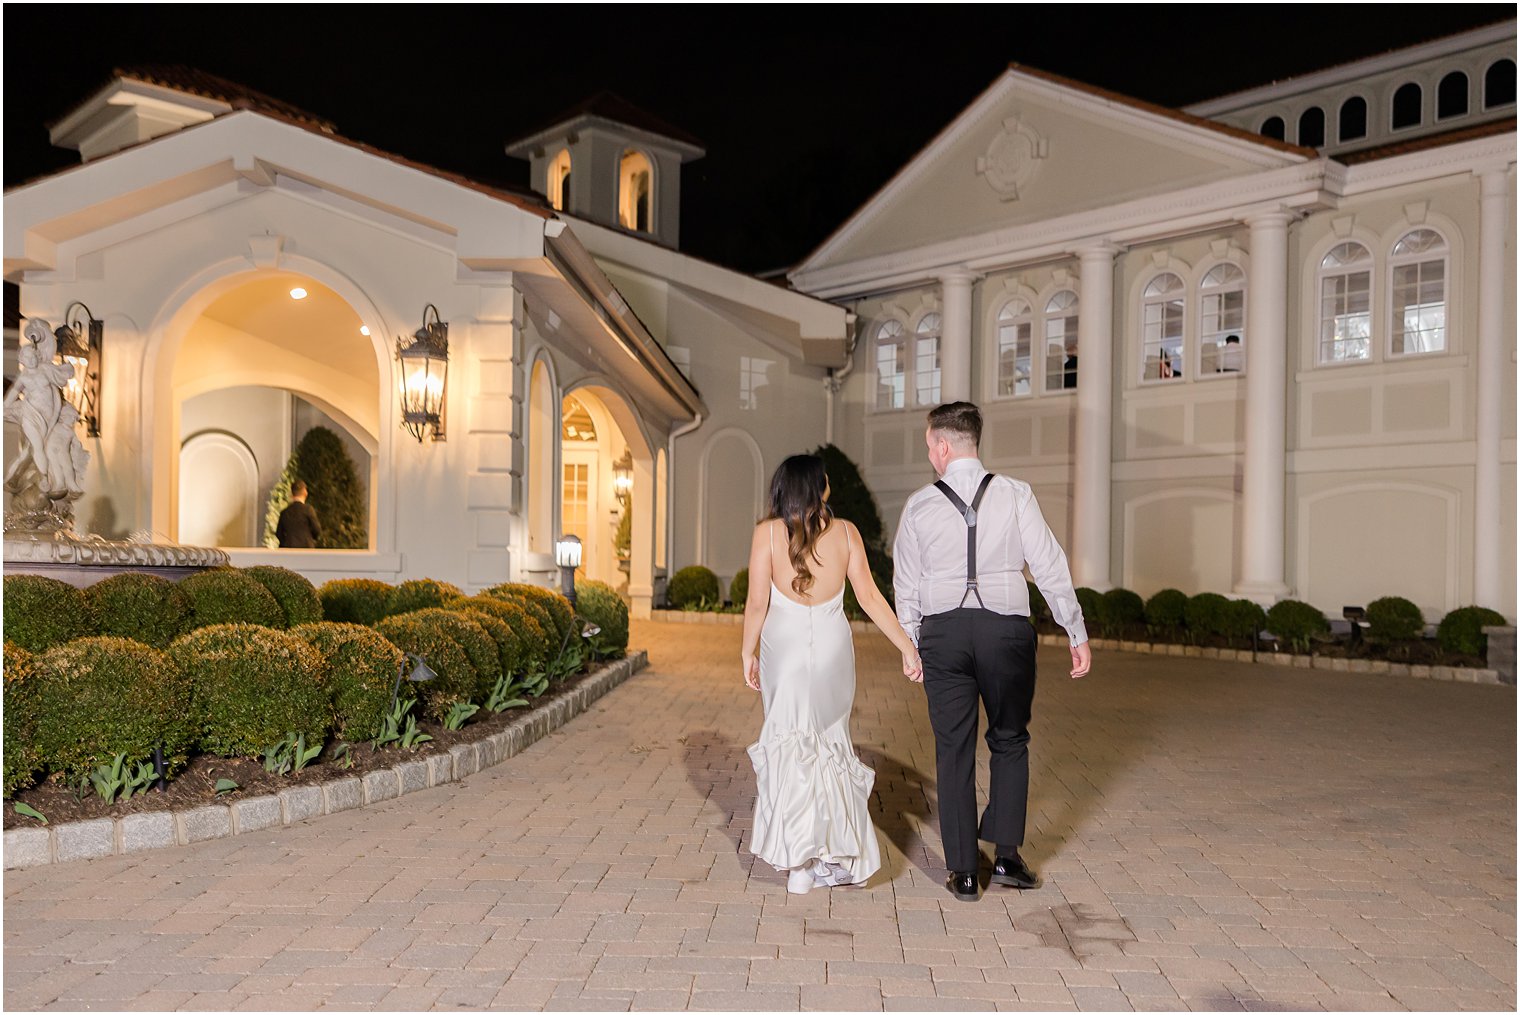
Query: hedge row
[{"x": 74, "y": 698}]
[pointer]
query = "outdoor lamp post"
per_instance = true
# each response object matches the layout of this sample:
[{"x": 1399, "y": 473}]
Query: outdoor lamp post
[
  {"x": 81, "y": 340},
  {"x": 424, "y": 374},
  {"x": 567, "y": 554}
]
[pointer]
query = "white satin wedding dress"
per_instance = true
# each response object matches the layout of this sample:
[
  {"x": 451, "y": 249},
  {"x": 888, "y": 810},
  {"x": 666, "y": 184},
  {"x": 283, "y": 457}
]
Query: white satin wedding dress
[{"x": 812, "y": 792}]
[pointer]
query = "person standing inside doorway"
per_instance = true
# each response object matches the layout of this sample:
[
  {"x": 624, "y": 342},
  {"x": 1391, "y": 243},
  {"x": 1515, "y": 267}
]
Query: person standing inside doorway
[
  {"x": 961, "y": 549},
  {"x": 298, "y": 527}
]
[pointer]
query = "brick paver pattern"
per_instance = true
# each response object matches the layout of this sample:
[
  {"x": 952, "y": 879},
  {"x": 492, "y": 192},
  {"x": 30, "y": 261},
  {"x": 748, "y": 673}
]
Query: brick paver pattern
[{"x": 1212, "y": 836}]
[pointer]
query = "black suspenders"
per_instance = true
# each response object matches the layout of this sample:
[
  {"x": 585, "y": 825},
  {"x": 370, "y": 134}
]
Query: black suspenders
[{"x": 969, "y": 514}]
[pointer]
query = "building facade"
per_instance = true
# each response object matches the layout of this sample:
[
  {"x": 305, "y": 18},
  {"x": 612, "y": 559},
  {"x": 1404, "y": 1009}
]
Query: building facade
[{"x": 1225, "y": 362}]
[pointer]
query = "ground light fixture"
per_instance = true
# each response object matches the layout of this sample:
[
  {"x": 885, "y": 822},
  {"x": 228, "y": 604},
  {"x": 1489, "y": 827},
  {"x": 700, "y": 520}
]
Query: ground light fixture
[
  {"x": 421, "y": 673},
  {"x": 81, "y": 341},
  {"x": 423, "y": 375},
  {"x": 567, "y": 554}
]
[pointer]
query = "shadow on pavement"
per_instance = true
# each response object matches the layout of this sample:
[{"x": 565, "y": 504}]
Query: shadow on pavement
[
  {"x": 720, "y": 770},
  {"x": 900, "y": 806}
]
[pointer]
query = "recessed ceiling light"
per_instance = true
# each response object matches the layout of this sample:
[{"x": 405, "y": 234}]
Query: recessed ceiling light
[
  {"x": 364, "y": 329},
  {"x": 298, "y": 293}
]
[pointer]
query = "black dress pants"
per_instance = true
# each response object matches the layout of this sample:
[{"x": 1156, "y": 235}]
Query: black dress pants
[{"x": 971, "y": 656}]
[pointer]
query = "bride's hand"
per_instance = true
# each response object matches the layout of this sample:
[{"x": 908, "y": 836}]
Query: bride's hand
[
  {"x": 751, "y": 672},
  {"x": 913, "y": 666}
]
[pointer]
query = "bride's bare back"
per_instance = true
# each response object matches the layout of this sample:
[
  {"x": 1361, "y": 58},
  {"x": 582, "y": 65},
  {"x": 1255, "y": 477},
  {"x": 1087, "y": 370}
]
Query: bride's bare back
[{"x": 829, "y": 563}]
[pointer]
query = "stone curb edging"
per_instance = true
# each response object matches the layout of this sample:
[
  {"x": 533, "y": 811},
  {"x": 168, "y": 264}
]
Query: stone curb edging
[
  {"x": 1454, "y": 673},
  {"x": 133, "y": 833}
]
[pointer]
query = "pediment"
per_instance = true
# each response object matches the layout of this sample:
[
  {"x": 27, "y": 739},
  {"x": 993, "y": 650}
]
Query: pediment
[{"x": 1034, "y": 148}]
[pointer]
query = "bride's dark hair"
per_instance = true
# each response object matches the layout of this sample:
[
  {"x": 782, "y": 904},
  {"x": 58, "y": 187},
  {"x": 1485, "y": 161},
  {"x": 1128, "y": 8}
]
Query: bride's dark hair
[{"x": 797, "y": 499}]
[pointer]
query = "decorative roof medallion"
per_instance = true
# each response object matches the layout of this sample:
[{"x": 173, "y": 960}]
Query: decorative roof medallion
[{"x": 1012, "y": 158}]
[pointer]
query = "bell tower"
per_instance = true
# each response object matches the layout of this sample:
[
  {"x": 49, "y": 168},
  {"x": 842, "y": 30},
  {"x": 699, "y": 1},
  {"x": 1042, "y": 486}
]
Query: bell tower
[{"x": 610, "y": 162}]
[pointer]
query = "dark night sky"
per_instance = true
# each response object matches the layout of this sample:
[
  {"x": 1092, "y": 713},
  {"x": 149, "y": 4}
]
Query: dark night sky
[{"x": 805, "y": 110}]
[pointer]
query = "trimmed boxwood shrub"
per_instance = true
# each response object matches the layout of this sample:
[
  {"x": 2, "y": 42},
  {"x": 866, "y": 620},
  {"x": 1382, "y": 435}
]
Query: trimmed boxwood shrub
[
  {"x": 43, "y": 612},
  {"x": 556, "y": 605},
  {"x": 691, "y": 586},
  {"x": 1240, "y": 619},
  {"x": 228, "y": 596},
  {"x": 529, "y": 644},
  {"x": 420, "y": 594},
  {"x": 360, "y": 669},
  {"x": 100, "y": 697},
  {"x": 1166, "y": 610},
  {"x": 1393, "y": 619},
  {"x": 1460, "y": 631},
  {"x": 1296, "y": 623},
  {"x": 355, "y": 600},
  {"x": 544, "y": 631},
  {"x": 253, "y": 685},
  {"x": 508, "y": 648},
  {"x": 738, "y": 589},
  {"x": 22, "y": 758},
  {"x": 144, "y": 607},
  {"x": 1122, "y": 611},
  {"x": 476, "y": 641},
  {"x": 456, "y": 677},
  {"x": 296, "y": 595},
  {"x": 599, "y": 603},
  {"x": 1204, "y": 614},
  {"x": 1094, "y": 612}
]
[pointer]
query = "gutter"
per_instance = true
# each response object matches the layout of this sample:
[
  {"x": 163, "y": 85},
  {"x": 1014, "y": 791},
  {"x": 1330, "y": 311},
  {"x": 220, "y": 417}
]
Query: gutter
[{"x": 670, "y": 488}]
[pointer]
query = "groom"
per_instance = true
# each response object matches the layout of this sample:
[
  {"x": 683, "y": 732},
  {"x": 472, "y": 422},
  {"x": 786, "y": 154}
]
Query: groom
[{"x": 961, "y": 549}]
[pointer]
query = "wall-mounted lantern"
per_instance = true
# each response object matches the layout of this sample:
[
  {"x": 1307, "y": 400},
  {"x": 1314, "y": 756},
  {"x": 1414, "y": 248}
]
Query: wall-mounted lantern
[
  {"x": 81, "y": 341},
  {"x": 622, "y": 475},
  {"x": 424, "y": 363},
  {"x": 567, "y": 554}
]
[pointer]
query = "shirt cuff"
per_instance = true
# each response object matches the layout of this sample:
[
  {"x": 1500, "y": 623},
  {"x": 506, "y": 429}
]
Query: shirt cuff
[{"x": 1077, "y": 632}]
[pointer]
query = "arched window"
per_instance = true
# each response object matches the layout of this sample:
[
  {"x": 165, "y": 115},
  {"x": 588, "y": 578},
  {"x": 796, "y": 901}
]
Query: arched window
[
  {"x": 1419, "y": 293},
  {"x": 1499, "y": 84},
  {"x": 891, "y": 365},
  {"x": 1274, "y": 127},
  {"x": 1222, "y": 321},
  {"x": 1161, "y": 328},
  {"x": 926, "y": 360},
  {"x": 1311, "y": 128},
  {"x": 1353, "y": 125},
  {"x": 1406, "y": 106},
  {"x": 635, "y": 192},
  {"x": 1015, "y": 339},
  {"x": 1061, "y": 341},
  {"x": 559, "y": 180},
  {"x": 1451, "y": 95},
  {"x": 1345, "y": 288}
]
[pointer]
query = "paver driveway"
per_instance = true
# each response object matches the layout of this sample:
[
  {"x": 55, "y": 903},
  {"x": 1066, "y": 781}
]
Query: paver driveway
[{"x": 1212, "y": 836}]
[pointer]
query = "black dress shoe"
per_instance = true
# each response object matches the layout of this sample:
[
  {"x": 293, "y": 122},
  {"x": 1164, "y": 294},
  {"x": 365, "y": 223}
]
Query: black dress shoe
[
  {"x": 963, "y": 886},
  {"x": 1014, "y": 872}
]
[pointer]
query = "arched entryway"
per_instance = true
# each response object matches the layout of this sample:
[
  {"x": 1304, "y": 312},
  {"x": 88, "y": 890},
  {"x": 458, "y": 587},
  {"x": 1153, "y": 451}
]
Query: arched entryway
[
  {"x": 266, "y": 360},
  {"x": 607, "y": 489}
]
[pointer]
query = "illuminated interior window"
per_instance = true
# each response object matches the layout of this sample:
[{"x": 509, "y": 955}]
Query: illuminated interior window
[
  {"x": 635, "y": 192},
  {"x": 577, "y": 424},
  {"x": 1345, "y": 317},
  {"x": 1161, "y": 328},
  {"x": 1419, "y": 293},
  {"x": 559, "y": 180}
]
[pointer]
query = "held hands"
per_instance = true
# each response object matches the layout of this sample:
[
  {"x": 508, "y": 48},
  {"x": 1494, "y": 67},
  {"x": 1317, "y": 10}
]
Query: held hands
[
  {"x": 751, "y": 671},
  {"x": 913, "y": 666},
  {"x": 1081, "y": 659}
]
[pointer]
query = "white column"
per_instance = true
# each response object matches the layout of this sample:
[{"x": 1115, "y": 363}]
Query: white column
[
  {"x": 641, "y": 546},
  {"x": 1487, "y": 525},
  {"x": 1264, "y": 492},
  {"x": 955, "y": 337},
  {"x": 1093, "y": 467}
]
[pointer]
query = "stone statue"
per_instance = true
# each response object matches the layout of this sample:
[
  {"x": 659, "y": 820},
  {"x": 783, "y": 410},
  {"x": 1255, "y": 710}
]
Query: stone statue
[{"x": 47, "y": 475}]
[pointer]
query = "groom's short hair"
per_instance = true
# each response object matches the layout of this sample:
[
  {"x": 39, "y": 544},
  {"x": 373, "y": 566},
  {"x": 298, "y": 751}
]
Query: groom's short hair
[{"x": 960, "y": 418}]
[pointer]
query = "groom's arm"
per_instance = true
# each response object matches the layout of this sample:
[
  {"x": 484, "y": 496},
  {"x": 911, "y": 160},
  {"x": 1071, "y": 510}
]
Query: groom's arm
[{"x": 906, "y": 571}]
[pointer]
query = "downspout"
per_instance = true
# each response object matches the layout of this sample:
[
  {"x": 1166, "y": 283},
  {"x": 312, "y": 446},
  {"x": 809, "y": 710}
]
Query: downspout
[
  {"x": 835, "y": 380},
  {"x": 670, "y": 489}
]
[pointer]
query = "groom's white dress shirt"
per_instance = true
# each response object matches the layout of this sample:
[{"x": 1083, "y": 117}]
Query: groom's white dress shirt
[{"x": 929, "y": 556}]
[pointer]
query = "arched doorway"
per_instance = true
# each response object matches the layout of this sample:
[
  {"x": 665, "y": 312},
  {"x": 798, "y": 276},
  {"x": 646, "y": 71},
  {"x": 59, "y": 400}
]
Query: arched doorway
[
  {"x": 607, "y": 489},
  {"x": 265, "y": 362}
]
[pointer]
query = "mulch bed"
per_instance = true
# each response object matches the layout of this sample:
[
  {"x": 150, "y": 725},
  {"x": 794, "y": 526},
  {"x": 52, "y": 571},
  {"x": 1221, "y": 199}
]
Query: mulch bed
[{"x": 195, "y": 786}]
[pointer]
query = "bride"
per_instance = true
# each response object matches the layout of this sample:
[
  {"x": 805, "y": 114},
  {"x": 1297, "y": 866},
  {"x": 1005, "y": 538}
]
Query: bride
[{"x": 811, "y": 816}]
